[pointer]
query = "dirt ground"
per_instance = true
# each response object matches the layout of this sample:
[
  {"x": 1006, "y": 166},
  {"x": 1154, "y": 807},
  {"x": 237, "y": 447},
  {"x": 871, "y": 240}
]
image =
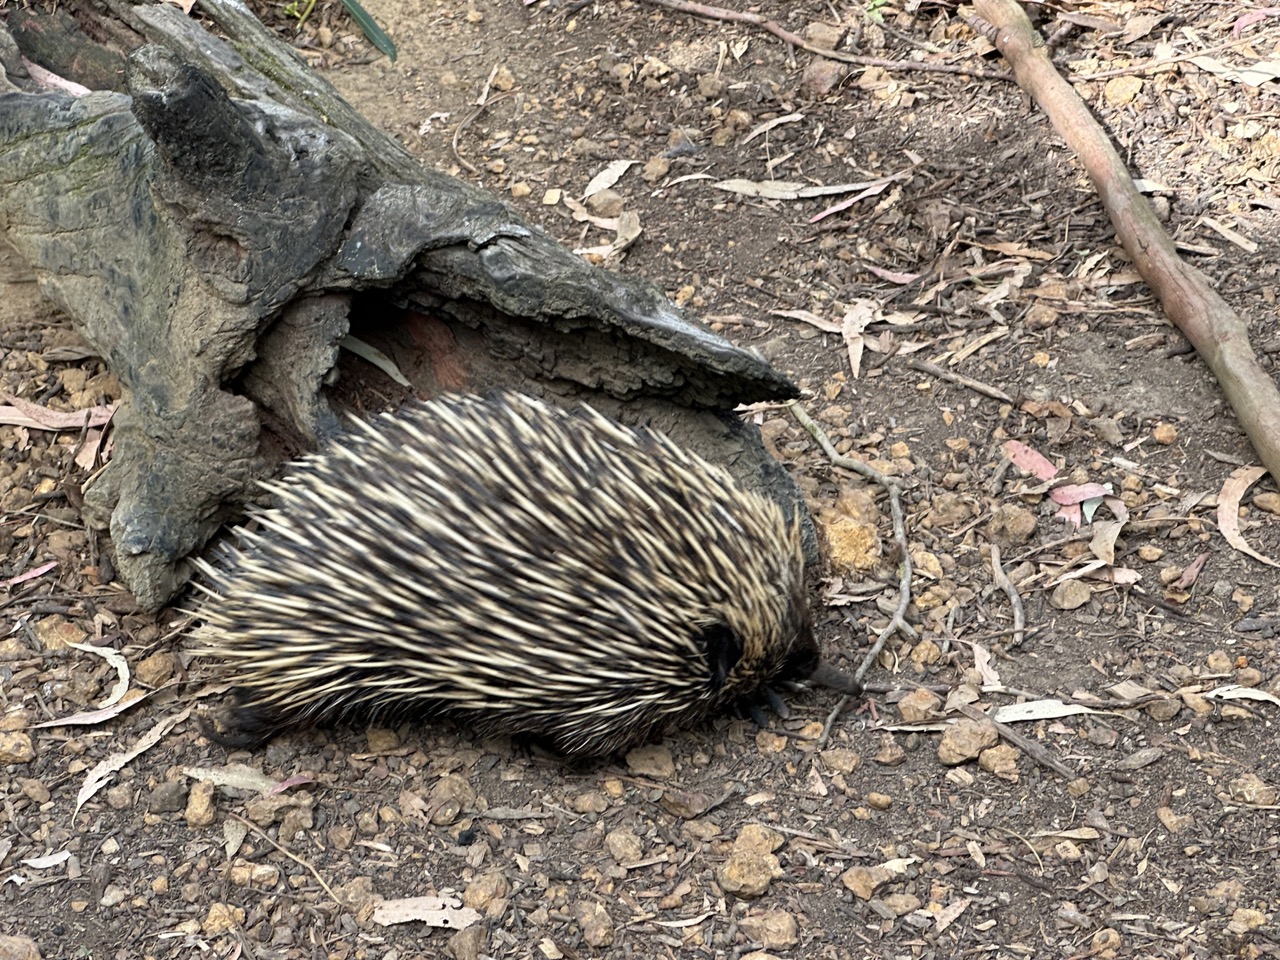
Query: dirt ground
[{"x": 972, "y": 242}]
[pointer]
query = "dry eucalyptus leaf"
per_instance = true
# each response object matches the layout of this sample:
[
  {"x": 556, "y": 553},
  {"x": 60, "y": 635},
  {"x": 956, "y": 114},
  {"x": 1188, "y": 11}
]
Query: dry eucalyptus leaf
[{"x": 444, "y": 912}]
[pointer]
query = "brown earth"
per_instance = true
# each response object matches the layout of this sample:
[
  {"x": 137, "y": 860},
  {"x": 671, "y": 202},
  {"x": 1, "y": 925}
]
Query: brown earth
[{"x": 1163, "y": 842}]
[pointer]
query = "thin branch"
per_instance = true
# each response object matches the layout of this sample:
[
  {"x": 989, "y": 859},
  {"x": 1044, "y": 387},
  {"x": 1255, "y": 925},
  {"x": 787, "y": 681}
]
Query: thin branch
[
  {"x": 898, "y": 622},
  {"x": 1004, "y": 583},
  {"x": 977, "y": 386},
  {"x": 1032, "y": 749},
  {"x": 292, "y": 856},
  {"x": 764, "y": 23}
]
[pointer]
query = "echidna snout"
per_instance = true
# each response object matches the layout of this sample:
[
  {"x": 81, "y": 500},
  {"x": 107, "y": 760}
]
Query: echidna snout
[{"x": 519, "y": 567}]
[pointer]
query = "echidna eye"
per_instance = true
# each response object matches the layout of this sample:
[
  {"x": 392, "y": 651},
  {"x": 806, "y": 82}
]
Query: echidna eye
[{"x": 724, "y": 650}]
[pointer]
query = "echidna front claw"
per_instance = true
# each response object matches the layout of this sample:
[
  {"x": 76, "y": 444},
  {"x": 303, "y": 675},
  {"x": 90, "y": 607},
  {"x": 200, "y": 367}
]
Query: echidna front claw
[{"x": 777, "y": 704}]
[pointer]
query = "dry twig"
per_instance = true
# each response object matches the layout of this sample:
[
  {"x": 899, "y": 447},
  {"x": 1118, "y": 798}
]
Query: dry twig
[
  {"x": 898, "y": 622},
  {"x": 977, "y": 386},
  {"x": 1032, "y": 749},
  {"x": 292, "y": 856},
  {"x": 764, "y": 23},
  {"x": 1004, "y": 583}
]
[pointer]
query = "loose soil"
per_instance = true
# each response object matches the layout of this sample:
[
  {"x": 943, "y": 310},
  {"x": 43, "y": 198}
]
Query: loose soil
[{"x": 973, "y": 243}]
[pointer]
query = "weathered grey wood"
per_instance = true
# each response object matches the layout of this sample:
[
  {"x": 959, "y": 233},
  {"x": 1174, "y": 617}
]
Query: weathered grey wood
[{"x": 210, "y": 231}]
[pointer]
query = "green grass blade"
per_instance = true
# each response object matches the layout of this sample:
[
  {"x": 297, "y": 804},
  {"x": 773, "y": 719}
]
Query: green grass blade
[{"x": 371, "y": 29}]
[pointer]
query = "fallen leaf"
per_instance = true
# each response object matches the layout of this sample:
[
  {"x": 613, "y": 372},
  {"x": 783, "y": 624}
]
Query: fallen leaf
[
  {"x": 1029, "y": 460},
  {"x": 121, "y": 665},
  {"x": 607, "y": 177},
  {"x": 1229, "y": 510},
  {"x": 101, "y": 774},
  {"x": 444, "y": 912}
]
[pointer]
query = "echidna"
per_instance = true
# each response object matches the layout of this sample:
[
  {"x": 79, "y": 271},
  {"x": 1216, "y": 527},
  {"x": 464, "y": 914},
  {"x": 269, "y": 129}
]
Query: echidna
[{"x": 521, "y": 567}]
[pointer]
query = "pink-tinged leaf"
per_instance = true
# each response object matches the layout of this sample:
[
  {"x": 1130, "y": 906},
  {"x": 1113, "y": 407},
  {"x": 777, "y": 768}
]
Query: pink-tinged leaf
[
  {"x": 1192, "y": 573},
  {"x": 1071, "y": 514},
  {"x": 1078, "y": 492},
  {"x": 297, "y": 780},
  {"x": 30, "y": 574},
  {"x": 1229, "y": 497},
  {"x": 1029, "y": 461},
  {"x": 24, "y": 413}
]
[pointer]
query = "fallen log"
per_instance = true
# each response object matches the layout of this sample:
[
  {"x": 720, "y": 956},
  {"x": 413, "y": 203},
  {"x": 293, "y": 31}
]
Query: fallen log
[{"x": 218, "y": 222}]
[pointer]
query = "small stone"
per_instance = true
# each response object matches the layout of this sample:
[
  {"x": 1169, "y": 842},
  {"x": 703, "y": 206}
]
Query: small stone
[
  {"x": 221, "y": 918},
  {"x": 655, "y": 169},
  {"x": 356, "y": 893},
  {"x": 901, "y": 903},
  {"x": 449, "y": 797},
  {"x": 890, "y": 753},
  {"x": 200, "y": 810},
  {"x": 1121, "y": 91},
  {"x": 34, "y": 790},
  {"x": 1174, "y": 822},
  {"x": 1150, "y": 553},
  {"x": 261, "y": 876},
  {"x": 757, "y": 837},
  {"x": 606, "y": 203},
  {"x": 841, "y": 760},
  {"x": 1068, "y": 851},
  {"x": 113, "y": 896},
  {"x": 1011, "y": 525},
  {"x": 926, "y": 652},
  {"x": 1070, "y": 595},
  {"x": 1105, "y": 944},
  {"x": 821, "y": 76},
  {"x": 597, "y": 927},
  {"x": 593, "y": 801},
  {"x": 879, "y": 801},
  {"x": 18, "y": 948},
  {"x": 120, "y": 797},
  {"x": 1249, "y": 677},
  {"x": 1002, "y": 760},
  {"x": 469, "y": 944},
  {"x": 918, "y": 705},
  {"x": 168, "y": 797},
  {"x": 1270, "y": 502},
  {"x": 156, "y": 670},
  {"x": 488, "y": 893},
  {"x": 772, "y": 929},
  {"x": 768, "y": 742},
  {"x": 1165, "y": 434},
  {"x": 654, "y": 760},
  {"x": 685, "y": 804},
  {"x": 965, "y": 739},
  {"x": 1245, "y": 920},
  {"x": 748, "y": 874},
  {"x": 1252, "y": 789},
  {"x": 54, "y": 633},
  {"x": 1219, "y": 661},
  {"x": 381, "y": 740},
  {"x": 1164, "y": 709},
  {"x": 624, "y": 846},
  {"x": 863, "y": 881}
]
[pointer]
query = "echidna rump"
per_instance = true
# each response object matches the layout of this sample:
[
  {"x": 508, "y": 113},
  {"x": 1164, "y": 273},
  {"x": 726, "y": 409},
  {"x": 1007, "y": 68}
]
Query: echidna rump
[{"x": 520, "y": 567}]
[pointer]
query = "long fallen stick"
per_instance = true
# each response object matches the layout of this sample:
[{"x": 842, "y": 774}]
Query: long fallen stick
[{"x": 1219, "y": 335}]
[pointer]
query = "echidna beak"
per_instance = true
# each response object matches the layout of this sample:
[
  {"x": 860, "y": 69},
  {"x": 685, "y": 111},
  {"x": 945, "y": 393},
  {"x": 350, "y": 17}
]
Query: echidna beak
[{"x": 828, "y": 676}]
